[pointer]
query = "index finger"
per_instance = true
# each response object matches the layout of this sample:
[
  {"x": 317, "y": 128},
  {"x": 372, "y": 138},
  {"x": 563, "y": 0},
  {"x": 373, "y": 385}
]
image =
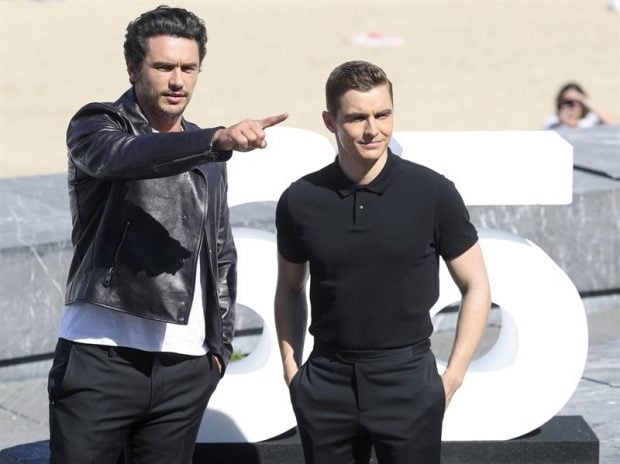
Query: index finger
[{"x": 272, "y": 120}]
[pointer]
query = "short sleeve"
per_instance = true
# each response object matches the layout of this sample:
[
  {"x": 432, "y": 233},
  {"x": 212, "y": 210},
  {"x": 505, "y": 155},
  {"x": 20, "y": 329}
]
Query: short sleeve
[
  {"x": 289, "y": 240},
  {"x": 454, "y": 232}
]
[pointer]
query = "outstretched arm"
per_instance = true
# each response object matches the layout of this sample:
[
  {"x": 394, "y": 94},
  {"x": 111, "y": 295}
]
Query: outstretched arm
[
  {"x": 291, "y": 313},
  {"x": 469, "y": 274}
]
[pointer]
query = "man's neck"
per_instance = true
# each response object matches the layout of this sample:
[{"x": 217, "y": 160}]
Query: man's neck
[{"x": 362, "y": 172}]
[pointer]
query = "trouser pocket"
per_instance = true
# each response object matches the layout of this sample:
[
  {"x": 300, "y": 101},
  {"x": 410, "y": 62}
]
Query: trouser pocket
[
  {"x": 58, "y": 371},
  {"x": 436, "y": 383}
]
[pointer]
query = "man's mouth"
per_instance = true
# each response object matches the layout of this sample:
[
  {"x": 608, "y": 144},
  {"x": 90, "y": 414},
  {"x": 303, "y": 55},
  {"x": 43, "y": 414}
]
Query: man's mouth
[{"x": 175, "y": 97}]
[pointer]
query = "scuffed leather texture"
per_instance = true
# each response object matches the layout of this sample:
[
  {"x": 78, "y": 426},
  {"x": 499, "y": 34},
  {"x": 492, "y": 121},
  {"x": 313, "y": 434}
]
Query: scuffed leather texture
[{"x": 145, "y": 208}]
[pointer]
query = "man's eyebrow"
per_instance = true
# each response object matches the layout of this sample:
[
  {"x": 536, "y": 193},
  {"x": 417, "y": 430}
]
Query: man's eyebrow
[
  {"x": 360, "y": 114},
  {"x": 162, "y": 63},
  {"x": 356, "y": 114},
  {"x": 174, "y": 63}
]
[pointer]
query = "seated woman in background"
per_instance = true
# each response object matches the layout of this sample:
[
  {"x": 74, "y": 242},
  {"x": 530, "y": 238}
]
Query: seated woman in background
[{"x": 574, "y": 109}]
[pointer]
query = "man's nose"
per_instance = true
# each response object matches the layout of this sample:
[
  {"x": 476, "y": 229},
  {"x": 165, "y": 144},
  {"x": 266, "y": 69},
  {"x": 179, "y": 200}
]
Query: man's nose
[
  {"x": 371, "y": 127},
  {"x": 176, "y": 79}
]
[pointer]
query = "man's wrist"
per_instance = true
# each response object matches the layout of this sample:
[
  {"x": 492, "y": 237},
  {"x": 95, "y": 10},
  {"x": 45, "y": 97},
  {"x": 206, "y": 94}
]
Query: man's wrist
[
  {"x": 215, "y": 139},
  {"x": 453, "y": 379}
]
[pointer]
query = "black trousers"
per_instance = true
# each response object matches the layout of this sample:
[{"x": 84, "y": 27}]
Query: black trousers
[
  {"x": 348, "y": 401},
  {"x": 104, "y": 400}
]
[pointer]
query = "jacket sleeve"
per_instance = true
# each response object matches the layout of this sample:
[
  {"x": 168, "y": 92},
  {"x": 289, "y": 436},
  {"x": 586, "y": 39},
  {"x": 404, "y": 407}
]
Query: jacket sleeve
[
  {"x": 102, "y": 143},
  {"x": 227, "y": 272}
]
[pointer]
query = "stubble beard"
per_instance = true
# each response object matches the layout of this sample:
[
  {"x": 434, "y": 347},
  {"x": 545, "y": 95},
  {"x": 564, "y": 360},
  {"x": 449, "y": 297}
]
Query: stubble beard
[{"x": 170, "y": 112}]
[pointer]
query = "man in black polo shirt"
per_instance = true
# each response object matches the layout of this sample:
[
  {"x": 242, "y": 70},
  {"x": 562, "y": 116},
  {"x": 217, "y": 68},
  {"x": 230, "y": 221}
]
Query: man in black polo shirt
[{"x": 370, "y": 229}]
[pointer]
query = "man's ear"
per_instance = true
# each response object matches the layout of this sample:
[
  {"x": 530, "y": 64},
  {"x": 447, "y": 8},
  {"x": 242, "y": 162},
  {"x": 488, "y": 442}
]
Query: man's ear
[
  {"x": 131, "y": 71},
  {"x": 329, "y": 121}
]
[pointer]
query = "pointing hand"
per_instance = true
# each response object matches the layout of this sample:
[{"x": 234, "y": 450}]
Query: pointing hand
[{"x": 245, "y": 135}]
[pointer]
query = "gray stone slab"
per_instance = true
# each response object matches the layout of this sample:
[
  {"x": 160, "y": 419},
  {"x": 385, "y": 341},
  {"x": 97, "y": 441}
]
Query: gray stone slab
[
  {"x": 596, "y": 149},
  {"x": 22, "y": 370},
  {"x": 583, "y": 238},
  {"x": 585, "y": 183},
  {"x": 35, "y": 249},
  {"x": 32, "y": 282},
  {"x": 34, "y": 210}
]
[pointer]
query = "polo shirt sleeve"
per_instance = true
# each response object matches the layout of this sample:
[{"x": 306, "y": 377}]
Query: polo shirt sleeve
[
  {"x": 289, "y": 240},
  {"x": 454, "y": 232}
]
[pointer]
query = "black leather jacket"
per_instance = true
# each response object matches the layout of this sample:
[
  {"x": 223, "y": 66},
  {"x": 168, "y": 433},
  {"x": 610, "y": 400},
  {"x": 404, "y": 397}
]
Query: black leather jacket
[{"x": 145, "y": 208}]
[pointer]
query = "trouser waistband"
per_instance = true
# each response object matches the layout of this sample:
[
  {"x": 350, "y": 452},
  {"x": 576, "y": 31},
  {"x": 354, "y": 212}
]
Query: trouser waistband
[{"x": 323, "y": 349}]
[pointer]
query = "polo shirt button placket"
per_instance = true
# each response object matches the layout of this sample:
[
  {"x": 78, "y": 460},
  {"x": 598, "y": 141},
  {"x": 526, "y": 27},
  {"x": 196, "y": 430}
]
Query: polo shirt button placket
[
  {"x": 359, "y": 200},
  {"x": 361, "y": 216}
]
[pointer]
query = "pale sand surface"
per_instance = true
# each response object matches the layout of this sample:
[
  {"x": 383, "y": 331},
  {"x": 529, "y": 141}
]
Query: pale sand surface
[{"x": 464, "y": 65}]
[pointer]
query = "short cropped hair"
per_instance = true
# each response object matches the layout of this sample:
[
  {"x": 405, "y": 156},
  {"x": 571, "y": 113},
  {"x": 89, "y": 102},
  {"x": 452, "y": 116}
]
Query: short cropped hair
[
  {"x": 163, "y": 20},
  {"x": 353, "y": 75}
]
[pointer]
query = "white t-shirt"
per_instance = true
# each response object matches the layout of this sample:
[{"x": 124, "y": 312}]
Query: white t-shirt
[{"x": 96, "y": 325}]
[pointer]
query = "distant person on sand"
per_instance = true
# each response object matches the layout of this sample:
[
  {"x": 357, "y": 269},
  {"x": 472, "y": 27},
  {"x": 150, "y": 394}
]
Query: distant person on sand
[{"x": 575, "y": 109}]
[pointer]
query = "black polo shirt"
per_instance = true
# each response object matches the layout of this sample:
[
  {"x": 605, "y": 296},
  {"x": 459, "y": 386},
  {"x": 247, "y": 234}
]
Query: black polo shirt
[{"x": 373, "y": 250}]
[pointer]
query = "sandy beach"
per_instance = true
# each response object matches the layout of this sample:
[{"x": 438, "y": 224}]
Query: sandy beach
[{"x": 456, "y": 65}]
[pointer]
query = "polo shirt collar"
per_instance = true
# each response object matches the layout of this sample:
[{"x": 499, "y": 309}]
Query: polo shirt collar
[{"x": 379, "y": 184}]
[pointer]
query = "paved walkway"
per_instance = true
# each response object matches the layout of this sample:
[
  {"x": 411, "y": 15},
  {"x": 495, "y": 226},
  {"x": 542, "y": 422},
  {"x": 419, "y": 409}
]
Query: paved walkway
[{"x": 23, "y": 403}]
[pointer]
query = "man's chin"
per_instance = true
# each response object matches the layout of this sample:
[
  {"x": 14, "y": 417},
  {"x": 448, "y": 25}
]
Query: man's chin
[
  {"x": 373, "y": 153},
  {"x": 172, "y": 112}
]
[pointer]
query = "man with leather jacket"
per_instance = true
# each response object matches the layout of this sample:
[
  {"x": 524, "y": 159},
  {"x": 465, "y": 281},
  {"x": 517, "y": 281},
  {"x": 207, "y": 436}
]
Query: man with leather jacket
[{"x": 149, "y": 316}]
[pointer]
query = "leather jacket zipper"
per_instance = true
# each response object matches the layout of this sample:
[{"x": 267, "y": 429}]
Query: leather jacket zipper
[{"x": 107, "y": 280}]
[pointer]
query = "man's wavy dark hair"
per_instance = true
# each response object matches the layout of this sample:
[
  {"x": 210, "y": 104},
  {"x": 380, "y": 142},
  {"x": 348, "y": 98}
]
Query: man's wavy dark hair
[{"x": 163, "y": 20}]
